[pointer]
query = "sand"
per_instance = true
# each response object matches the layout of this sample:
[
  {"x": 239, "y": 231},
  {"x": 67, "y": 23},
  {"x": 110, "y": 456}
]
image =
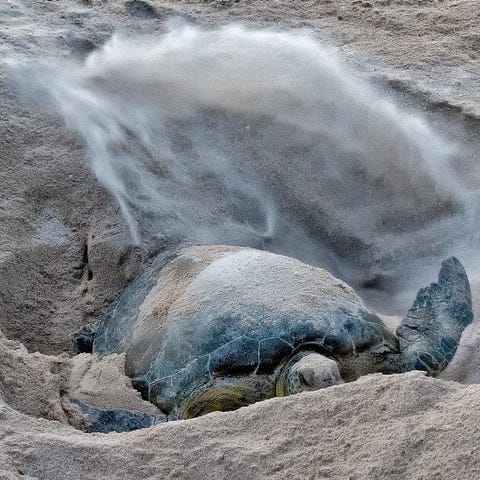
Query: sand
[
  {"x": 65, "y": 252},
  {"x": 395, "y": 427}
]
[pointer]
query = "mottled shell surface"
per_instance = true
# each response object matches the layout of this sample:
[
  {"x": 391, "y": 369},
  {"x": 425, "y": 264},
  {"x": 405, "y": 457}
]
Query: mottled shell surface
[{"x": 213, "y": 311}]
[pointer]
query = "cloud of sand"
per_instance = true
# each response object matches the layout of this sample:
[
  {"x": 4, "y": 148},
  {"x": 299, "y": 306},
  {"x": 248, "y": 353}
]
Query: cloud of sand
[{"x": 184, "y": 130}]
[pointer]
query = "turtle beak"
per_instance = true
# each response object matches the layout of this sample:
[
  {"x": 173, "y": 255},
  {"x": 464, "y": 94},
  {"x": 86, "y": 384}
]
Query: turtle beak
[{"x": 307, "y": 371}]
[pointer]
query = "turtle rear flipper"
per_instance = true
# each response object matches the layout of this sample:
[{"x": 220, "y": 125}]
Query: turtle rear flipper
[{"x": 431, "y": 331}]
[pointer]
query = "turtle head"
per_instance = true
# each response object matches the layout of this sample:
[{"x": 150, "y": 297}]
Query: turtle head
[{"x": 306, "y": 371}]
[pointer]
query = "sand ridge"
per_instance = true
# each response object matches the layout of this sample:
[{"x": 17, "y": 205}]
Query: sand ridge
[{"x": 395, "y": 427}]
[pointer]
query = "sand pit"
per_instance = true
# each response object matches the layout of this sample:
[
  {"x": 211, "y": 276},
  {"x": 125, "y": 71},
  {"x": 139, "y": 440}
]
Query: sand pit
[{"x": 67, "y": 248}]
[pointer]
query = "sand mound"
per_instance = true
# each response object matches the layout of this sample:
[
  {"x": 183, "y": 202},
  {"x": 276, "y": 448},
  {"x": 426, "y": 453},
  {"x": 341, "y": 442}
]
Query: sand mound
[
  {"x": 395, "y": 427},
  {"x": 50, "y": 387}
]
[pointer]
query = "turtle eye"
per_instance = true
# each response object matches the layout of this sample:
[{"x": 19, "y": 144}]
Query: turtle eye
[
  {"x": 302, "y": 379},
  {"x": 383, "y": 349}
]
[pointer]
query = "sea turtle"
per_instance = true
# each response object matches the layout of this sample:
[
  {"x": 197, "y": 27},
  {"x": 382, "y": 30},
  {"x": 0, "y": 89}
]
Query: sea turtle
[{"x": 216, "y": 328}]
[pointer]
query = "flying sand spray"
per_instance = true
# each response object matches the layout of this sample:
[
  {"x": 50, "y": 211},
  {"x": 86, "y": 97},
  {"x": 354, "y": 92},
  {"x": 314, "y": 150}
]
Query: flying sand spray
[{"x": 261, "y": 138}]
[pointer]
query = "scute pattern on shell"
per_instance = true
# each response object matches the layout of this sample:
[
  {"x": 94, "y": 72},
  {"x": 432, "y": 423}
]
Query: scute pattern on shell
[{"x": 227, "y": 311}]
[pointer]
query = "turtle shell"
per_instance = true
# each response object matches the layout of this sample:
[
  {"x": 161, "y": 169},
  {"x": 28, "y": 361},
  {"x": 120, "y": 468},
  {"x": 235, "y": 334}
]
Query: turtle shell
[{"x": 211, "y": 312}]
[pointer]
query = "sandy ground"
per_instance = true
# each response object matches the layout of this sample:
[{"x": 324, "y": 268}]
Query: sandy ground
[
  {"x": 65, "y": 253},
  {"x": 381, "y": 427}
]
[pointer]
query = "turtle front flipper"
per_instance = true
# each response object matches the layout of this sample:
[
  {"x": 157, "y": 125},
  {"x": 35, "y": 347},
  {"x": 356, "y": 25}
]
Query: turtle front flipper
[
  {"x": 101, "y": 420},
  {"x": 430, "y": 333},
  {"x": 83, "y": 339}
]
